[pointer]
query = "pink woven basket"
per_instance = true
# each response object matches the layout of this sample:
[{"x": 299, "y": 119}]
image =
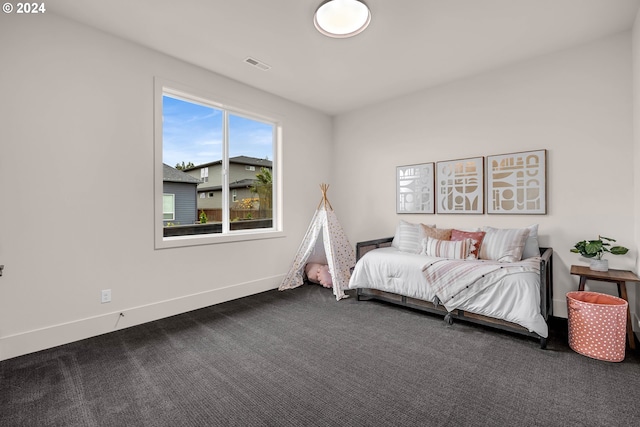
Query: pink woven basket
[{"x": 597, "y": 325}]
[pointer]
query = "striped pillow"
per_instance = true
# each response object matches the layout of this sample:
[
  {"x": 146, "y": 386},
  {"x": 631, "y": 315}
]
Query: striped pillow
[
  {"x": 408, "y": 237},
  {"x": 446, "y": 248},
  {"x": 504, "y": 245}
]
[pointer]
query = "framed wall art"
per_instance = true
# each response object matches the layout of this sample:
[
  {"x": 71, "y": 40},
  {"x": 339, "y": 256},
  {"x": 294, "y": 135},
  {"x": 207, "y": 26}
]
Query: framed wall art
[
  {"x": 414, "y": 192},
  {"x": 516, "y": 183},
  {"x": 460, "y": 186}
]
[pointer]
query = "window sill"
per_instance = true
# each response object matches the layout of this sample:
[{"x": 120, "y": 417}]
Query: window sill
[{"x": 214, "y": 239}]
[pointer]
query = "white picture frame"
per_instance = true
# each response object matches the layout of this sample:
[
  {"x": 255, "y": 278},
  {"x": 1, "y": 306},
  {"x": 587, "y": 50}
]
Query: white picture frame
[
  {"x": 517, "y": 183},
  {"x": 460, "y": 186},
  {"x": 414, "y": 188}
]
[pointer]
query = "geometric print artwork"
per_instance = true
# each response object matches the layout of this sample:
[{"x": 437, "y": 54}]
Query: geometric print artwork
[
  {"x": 460, "y": 186},
  {"x": 415, "y": 189},
  {"x": 516, "y": 183}
]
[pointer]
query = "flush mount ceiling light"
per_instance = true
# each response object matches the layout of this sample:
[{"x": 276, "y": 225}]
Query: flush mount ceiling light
[{"x": 342, "y": 18}]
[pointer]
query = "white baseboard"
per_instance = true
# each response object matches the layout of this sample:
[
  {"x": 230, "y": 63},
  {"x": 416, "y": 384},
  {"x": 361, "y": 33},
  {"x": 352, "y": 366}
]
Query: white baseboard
[{"x": 55, "y": 335}]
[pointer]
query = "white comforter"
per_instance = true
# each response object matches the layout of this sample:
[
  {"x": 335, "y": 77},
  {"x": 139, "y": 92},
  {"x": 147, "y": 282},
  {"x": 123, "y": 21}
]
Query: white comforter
[{"x": 507, "y": 295}]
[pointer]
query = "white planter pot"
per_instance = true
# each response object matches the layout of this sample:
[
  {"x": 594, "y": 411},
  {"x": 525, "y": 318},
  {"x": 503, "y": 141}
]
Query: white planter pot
[{"x": 599, "y": 265}]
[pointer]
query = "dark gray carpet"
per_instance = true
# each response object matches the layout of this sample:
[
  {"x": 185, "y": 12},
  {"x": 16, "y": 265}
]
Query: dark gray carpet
[{"x": 299, "y": 358}]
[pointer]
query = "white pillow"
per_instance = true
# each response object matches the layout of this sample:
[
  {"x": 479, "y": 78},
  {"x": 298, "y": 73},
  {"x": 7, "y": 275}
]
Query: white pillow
[
  {"x": 452, "y": 249},
  {"x": 408, "y": 237},
  {"x": 504, "y": 245},
  {"x": 531, "y": 245}
]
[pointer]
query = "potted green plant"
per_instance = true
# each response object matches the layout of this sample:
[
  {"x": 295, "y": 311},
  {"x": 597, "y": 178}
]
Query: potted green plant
[{"x": 595, "y": 249}]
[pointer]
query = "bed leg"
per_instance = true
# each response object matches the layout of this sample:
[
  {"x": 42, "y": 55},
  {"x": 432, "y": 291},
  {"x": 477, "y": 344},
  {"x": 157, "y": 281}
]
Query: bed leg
[
  {"x": 448, "y": 319},
  {"x": 361, "y": 297},
  {"x": 543, "y": 343}
]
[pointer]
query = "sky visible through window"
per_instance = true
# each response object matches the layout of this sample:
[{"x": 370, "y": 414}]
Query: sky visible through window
[{"x": 193, "y": 133}]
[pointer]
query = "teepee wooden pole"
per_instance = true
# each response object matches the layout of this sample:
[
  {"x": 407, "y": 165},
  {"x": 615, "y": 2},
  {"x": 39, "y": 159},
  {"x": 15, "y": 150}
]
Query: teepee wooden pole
[{"x": 324, "y": 188}]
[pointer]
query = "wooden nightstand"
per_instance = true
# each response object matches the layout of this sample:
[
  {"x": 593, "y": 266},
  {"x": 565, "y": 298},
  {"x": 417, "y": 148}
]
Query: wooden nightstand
[{"x": 619, "y": 277}]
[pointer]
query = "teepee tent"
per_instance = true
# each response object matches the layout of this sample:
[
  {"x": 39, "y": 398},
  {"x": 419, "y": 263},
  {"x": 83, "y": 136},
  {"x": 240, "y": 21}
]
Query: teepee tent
[{"x": 340, "y": 256}]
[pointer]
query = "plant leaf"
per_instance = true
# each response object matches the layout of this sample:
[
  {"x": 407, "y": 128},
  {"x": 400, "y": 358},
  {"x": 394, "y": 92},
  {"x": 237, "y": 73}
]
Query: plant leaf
[
  {"x": 618, "y": 250},
  {"x": 593, "y": 247}
]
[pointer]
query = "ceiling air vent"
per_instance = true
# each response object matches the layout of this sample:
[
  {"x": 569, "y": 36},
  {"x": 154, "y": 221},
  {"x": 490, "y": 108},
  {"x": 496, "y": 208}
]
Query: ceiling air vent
[{"x": 257, "y": 64}]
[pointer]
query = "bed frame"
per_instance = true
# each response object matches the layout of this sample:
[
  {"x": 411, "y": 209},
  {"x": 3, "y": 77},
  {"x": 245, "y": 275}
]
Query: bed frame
[{"x": 546, "y": 295}]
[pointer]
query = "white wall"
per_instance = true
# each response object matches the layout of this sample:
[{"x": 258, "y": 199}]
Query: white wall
[
  {"x": 577, "y": 104},
  {"x": 636, "y": 151},
  {"x": 76, "y": 186}
]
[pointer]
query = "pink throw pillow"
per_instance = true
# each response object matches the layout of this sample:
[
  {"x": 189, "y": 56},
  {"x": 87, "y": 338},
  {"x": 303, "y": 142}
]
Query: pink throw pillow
[
  {"x": 476, "y": 240},
  {"x": 324, "y": 277},
  {"x": 311, "y": 270}
]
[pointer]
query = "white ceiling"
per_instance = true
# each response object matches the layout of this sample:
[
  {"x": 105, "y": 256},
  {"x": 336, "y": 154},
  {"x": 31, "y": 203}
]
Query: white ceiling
[{"x": 410, "y": 44}]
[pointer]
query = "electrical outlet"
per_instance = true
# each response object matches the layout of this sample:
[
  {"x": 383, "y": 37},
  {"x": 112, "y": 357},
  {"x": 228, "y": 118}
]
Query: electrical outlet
[{"x": 106, "y": 296}]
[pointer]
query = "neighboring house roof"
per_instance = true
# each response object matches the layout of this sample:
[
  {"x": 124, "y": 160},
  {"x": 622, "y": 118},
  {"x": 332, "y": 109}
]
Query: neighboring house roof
[
  {"x": 243, "y": 183},
  {"x": 251, "y": 161},
  {"x": 170, "y": 174},
  {"x": 243, "y": 160}
]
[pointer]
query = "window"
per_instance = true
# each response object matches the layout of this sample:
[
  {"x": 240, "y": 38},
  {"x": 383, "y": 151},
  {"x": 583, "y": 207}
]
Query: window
[
  {"x": 231, "y": 157},
  {"x": 168, "y": 207}
]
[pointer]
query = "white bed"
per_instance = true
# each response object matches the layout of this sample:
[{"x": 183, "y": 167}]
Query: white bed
[{"x": 514, "y": 298}]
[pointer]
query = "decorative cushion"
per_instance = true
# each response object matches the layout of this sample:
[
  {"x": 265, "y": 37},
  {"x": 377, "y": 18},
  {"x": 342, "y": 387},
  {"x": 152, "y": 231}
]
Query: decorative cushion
[
  {"x": 476, "y": 239},
  {"x": 504, "y": 245},
  {"x": 311, "y": 270},
  {"x": 324, "y": 277},
  {"x": 446, "y": 248},
  {"x": 436, "y": 233},
  {"x": 408, "y": 237},
  {"x": 531, "y": 245}
]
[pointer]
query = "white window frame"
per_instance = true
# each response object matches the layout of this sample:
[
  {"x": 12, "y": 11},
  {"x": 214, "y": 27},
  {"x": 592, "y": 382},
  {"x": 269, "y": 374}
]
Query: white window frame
[{"x": 162, "y": 87}]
